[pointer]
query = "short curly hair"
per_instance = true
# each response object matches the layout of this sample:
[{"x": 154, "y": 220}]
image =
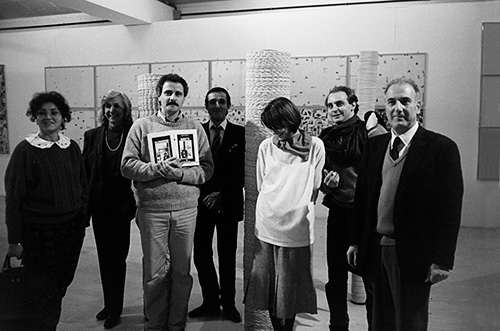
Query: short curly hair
[
  {"x": 173, "y": 78},
  {"x": 41, "y": 98}
]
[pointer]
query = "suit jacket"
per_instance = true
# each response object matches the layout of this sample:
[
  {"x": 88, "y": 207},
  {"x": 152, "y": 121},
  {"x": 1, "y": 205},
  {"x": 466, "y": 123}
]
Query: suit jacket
[
  {"x": 427, "y": 208},
  {"x": 229, "y": 171},
  {"x": 124, "y": 206}
]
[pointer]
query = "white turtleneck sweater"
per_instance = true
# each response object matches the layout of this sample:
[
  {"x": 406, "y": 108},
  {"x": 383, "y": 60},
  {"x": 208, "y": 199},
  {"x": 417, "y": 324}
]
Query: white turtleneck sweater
[{"x": 287, "y": 186}]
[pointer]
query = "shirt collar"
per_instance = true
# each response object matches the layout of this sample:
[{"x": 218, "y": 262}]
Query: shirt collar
[
  {"x": 405, "y": 137},
  {"x": 222, "y": 125},
  {"x": 163, "y": 117},
  {"x": 35, "y": 140}
]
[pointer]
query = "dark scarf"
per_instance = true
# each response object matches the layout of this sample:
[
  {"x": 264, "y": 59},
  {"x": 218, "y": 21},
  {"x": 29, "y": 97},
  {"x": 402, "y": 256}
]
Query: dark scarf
[
  {"x": 299, "y": 145},
  {"x": 344, "y": 142}
]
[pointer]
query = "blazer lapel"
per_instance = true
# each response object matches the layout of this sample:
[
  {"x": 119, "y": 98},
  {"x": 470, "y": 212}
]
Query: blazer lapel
[
  {"x": 207, "y": 129},
  {"x": 99, "y": 141},
  {"x": 226, "y": 142},
  {"x": 415, "y": 156},
  {"x": 378, "y": 155}
]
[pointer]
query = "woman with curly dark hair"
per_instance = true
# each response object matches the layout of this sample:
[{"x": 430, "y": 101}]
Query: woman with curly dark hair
[
  {"x": 46, "y": 199},
  {"x": 111, "y": 200}
]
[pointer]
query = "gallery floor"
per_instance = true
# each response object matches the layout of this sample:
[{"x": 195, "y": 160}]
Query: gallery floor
[{"x": 468, "y": 300}]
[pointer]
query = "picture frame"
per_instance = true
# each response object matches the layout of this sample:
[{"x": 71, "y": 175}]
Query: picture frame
[{"x": 182, "y": 144}]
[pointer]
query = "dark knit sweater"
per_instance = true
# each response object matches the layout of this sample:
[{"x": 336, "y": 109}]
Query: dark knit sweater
[
  {"x": 391, "y": 171},
  {"x": 43, "y": 186}
]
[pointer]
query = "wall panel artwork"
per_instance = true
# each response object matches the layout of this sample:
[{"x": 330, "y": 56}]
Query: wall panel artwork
[
  {"x": 311, "y": 79},
  {"x": 195, "y": 74},
  {"x": 314, "y": 120},
  {"x": 76, "y": 84},
  {"x": 122, "y": 78},
  {"x": 489, "y": 154},
  {"x": 81, "y": 121},
  {"x": 488, "y": 165},
  {"x": 231, "y": 76},
  {"x": 4, "y": 132},
  {"x": 391, "y": 66}
]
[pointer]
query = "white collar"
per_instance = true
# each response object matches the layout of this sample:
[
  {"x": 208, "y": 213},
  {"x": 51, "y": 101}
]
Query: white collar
[
  {"x": 405, "y": 137},
  {"x": 163, "y": 117},
  {"x": 35, "y": 140},
  {"x": 222, "y": 125}
]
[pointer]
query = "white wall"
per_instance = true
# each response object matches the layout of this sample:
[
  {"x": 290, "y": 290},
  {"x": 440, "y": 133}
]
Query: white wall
[{"x": 449, "y": 33}]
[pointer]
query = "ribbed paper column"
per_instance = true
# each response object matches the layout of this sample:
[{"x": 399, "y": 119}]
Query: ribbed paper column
[
  {"x": 148, "y": 100},
  {"x": 367, "y": 96},
  {"x": 267, "y": 77},
  {"x": 367, "y": 81}
]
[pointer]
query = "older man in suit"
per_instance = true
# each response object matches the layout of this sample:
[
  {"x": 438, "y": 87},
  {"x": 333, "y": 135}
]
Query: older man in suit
[
  {"x": 220, "y": 207},
  {"x": 407, "y": 213}
]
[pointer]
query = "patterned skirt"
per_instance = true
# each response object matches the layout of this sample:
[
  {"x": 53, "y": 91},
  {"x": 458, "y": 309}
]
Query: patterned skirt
[{"x": 281, "y": 281}]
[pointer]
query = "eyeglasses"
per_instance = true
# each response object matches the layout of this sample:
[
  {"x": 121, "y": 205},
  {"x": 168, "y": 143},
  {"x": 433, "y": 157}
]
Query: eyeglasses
[{"x": 53, "y": 113}]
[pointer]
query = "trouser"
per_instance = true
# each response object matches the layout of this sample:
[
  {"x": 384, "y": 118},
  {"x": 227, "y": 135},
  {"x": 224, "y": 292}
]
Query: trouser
[
  {"x": 227, "y": 235},
  {"x": 167, "y": 243},
  {"x": 51, "y": 253},
  {"x": 398, "y": 305},
  {"x": 112, "y": 237},
  {"x": 337, "y": 243}
]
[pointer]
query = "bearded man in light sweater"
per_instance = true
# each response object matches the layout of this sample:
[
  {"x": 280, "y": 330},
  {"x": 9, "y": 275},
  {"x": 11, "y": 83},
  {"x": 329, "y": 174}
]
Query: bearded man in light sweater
[{"x": 166, "y": 195}]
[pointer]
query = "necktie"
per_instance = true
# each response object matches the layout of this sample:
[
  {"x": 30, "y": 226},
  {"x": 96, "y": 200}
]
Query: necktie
[
  {"x": 397, "y": 145},
  {"x": 216, "y": 139}
]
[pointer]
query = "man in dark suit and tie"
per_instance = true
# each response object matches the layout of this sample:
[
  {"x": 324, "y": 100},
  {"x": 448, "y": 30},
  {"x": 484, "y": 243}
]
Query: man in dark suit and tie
[
  {"x": 407, "y": 212},
  {"x": 221, "y": 207}
]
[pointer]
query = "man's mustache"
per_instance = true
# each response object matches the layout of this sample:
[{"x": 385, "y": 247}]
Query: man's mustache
[{"x": 172, "y": 103}]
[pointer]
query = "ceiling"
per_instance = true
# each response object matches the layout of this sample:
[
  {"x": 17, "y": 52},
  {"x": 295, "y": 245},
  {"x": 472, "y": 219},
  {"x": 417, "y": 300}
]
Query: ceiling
[
  {"x": 23, "y": 14},
  {"x": 12, "y": 9},
  {"x": 28, "y": 14}
]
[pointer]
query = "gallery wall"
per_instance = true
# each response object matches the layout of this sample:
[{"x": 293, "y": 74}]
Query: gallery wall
[
  {"x": 308, "y": 78},
  {"x": 450, "y": 35}
]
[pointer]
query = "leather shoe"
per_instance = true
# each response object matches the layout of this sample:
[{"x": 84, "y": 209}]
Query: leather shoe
[
  {"x": 111, "y": 322},
  {"x": 102, "y": 315},
  {"x": 205, "y": 310},
  {"x": 232, "y": 314}
]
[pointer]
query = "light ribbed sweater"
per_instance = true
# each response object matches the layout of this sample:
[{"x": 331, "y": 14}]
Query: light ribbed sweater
[
  {"x": 151, "y": 190},
  {"x": 286, "y": 183}
]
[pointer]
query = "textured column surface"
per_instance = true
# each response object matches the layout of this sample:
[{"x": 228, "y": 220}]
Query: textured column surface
[
  {"x": 367, "y": 81},
  {"x": 148, "y": 100},
  {"x": 267, "y": 77}
]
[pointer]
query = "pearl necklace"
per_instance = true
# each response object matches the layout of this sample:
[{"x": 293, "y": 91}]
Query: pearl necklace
[{"x": 107, "y": 143}]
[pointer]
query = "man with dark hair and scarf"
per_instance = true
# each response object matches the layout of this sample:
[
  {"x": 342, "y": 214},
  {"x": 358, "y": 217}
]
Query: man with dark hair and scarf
[{"x": 343, "y": 142}]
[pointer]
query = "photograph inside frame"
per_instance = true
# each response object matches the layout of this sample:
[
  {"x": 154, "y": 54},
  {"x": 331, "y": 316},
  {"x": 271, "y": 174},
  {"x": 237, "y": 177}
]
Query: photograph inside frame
[{"x": 182, "y": 144}]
